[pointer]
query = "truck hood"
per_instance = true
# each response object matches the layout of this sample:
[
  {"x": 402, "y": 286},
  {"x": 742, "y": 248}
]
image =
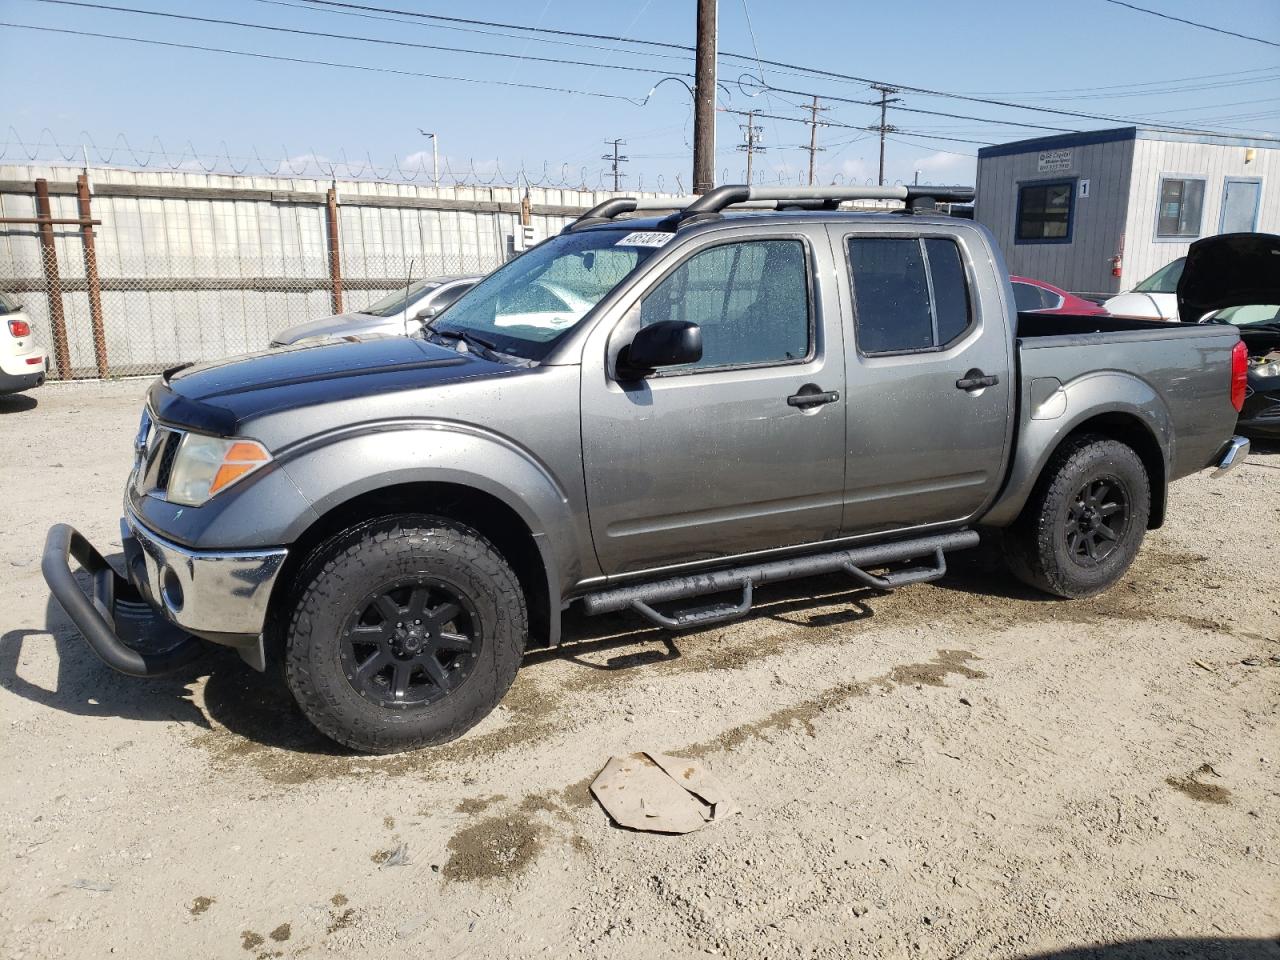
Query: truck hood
[
  {"x": 341, "y": 325},
  {"x": 219, "y": 397},
  {"x": 1229, "y": 270}
]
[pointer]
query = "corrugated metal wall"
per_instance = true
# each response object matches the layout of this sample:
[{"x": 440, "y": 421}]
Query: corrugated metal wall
[
  {"x": 207, "y": 275},
  {"x": 1124, "y": 179},
  {"x": 1083, "y": 264},
  {"x": 1153, "y": 159}
]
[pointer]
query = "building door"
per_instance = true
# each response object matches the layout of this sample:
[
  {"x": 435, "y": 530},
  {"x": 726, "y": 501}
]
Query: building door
[{"x": 1240, "y": 199}]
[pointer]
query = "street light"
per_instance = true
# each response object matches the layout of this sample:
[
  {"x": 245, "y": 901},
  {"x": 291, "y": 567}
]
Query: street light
[{"x": 435, "y": 156}]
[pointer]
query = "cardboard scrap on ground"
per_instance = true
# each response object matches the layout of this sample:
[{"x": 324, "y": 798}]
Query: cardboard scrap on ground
[{"x": 660, "y": 794}]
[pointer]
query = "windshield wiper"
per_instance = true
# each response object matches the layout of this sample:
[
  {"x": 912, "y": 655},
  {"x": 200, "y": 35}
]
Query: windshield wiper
[{"x": 488, "y": 349}]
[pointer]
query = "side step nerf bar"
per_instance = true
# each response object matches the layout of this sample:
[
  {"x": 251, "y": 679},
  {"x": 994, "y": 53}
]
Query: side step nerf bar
[{"x": 641, "y": 597}]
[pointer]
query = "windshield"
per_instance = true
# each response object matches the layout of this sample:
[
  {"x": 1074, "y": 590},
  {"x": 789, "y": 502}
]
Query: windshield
[
  {"x": 1250, "y": 315},
  {"x": 527, "y": 305},
  {"x": 1164, "y": 280},
  {"x": 397, "y": 301}
]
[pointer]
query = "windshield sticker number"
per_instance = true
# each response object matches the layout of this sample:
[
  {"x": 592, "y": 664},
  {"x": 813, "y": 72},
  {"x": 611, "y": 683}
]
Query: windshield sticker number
[{"x": 653, "y": 238}]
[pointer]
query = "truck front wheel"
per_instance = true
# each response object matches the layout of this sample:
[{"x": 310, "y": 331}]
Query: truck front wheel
[
  {"x": 1085, "y": 521},
  {"x": 406, "y": 633}
]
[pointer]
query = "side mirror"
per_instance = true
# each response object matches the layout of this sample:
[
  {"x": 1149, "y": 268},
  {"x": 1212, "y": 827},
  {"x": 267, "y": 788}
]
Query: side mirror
[
  {"x": 426, "y": 314},
  {"x": 663, "y": 344}
]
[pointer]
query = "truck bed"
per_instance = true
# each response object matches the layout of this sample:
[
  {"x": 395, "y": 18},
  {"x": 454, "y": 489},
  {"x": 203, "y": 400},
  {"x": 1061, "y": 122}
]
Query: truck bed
[{"x": 1178, "y": 373}]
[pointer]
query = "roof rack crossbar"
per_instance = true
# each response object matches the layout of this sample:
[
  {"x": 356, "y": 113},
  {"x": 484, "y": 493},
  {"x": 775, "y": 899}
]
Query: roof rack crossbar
[
  {"x": 722, "y": 197},
  {"x": 743, "y": 196}
]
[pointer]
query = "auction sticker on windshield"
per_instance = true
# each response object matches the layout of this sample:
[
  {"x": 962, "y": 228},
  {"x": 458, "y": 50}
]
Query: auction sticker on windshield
[{"x": 653, "y": 238}]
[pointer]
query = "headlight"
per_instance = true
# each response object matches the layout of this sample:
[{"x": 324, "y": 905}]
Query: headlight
[
  {"x": 1269, "y": 369},
  {"x": 206, "y": 465}
]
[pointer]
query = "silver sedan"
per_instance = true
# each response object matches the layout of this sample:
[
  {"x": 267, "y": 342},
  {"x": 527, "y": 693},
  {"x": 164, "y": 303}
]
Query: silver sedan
[{"x": 394, "y": 315}]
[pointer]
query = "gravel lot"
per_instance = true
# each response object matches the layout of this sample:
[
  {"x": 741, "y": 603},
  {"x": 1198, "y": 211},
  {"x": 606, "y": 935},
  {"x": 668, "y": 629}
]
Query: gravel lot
[{"x": 961, "y": 769}]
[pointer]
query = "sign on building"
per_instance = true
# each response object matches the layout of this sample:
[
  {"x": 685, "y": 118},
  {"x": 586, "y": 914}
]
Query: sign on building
[{"x": 1054, "y": 161}]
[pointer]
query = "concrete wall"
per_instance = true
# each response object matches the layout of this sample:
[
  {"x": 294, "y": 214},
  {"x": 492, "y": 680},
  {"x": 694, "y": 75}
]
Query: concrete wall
[
  {"x": 198, "y": 266},
  {"x": 1144, "y": 253},
  {"x": 1083, "y": 264}
]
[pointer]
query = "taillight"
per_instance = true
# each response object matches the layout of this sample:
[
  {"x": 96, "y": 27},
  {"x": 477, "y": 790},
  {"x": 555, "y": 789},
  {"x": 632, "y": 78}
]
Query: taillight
[
  {"x": 20, "y": 328},
  {"x": 1239, "y": 374}
]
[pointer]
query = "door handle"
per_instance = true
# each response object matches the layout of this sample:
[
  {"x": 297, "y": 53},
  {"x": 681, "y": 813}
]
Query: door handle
[
  {"x": 811, "y": 395},
  {"x": 976, "y": 379}
]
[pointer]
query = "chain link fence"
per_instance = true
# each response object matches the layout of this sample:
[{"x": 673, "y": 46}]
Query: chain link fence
[
  {"x": 126, "y": 273},
  {"x": 146, "y": 314}
]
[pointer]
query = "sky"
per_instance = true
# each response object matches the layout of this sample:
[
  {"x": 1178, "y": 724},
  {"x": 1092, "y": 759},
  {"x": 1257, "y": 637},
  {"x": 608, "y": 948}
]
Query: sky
[{"x": 141, "y": 104}]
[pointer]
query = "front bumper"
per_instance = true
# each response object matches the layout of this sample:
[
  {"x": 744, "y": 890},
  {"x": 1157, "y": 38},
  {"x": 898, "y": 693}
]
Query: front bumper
[
  {"x": 220, "y": 595},
  {"x": 146, "y": 623}
]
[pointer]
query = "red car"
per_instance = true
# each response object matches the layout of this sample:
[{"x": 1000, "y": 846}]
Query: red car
[{"x": 1036, "y": 296}]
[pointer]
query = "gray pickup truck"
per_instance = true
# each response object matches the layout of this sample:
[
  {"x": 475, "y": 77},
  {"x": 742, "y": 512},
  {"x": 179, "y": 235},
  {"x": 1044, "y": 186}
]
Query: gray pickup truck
[{"x": 648, "y": 413}]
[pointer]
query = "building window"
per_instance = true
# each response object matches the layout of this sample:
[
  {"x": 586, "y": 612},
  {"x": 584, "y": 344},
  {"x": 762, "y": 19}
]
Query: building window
[
  {"x": 1044, "y": 212},
  {"x": 1181, "y": 204}
]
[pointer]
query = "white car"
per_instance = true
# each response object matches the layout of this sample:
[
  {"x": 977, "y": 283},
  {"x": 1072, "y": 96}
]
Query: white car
[
  {"x": 394, "y": 315},
  {"x": 1155, "y": 298},
  {"x": 23, "y": 365}
]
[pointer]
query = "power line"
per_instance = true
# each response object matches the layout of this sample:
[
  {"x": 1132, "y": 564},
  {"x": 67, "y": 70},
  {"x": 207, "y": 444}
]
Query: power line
[
  {"x": 1169, "y": 82},
  {"x": 491, "y": 23},
  {"x": 759, "y": 61},
  {"x": 1193, "y": 23},
  {"x": 1070, "y": 113},
  {"x": 341, "y": 36},
  {"x": 463, "y": 29},
  {"x": 318, "y": 63}
]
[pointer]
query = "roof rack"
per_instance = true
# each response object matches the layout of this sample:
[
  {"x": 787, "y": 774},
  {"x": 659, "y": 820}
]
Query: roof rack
[{"x": 743, "y": 196}]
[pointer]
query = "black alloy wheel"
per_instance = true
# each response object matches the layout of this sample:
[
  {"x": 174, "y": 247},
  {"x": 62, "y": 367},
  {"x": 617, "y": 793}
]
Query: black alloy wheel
[
  {"x": 410, "y": 642},
  {"x": 1096, "y": 520}
]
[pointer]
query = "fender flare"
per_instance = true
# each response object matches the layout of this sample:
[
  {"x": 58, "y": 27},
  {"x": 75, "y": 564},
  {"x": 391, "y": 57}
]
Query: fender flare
[
  {"x": 333, "y": 468},
  {"x": 1106, "y": 393}
]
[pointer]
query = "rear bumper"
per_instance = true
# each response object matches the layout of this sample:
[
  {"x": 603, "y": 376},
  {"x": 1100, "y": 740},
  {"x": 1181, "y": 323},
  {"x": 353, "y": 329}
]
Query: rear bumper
[
  {"x": 147, "y": 622},
  {"x": 1231, "y": 456},
  {"x": 17, "y": 375}
]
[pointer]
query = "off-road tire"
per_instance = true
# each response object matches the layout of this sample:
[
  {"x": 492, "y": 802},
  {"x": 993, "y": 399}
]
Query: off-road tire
[
  {"x": 348, "y": 568},
  {"x": 1037, "y": 544}
]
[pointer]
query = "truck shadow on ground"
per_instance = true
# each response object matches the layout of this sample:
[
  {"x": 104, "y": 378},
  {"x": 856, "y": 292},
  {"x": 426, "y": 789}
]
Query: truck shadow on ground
[
  {"x": 260, "y": 708},
  {"x": 1201, "y": 948}
]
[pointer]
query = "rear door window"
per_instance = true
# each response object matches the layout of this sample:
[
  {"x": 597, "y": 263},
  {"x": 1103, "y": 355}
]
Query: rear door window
[{"x": 910, "y": 294}]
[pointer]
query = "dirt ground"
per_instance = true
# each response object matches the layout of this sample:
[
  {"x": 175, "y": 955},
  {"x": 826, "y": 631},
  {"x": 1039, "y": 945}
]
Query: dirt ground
[{"x": 961, "y": 769}]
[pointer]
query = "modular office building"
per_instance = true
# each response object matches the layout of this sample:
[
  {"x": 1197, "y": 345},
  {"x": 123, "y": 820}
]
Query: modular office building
[{"x": 1097, "y": 212}]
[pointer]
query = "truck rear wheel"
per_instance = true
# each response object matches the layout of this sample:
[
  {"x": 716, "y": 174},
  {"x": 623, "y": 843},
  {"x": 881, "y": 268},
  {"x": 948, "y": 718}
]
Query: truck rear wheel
[
  {"x": 1085, "y": 520},
  {"x": 406, "y": 633}
]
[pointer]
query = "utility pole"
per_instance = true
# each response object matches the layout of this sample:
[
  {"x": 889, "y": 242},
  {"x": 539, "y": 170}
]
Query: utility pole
[
  {"x": 617, "y": 159},
  {"x": 884, "y": 127},
  {"x": 751, "y": 133},
  {"x": 704, "y": 99},
  {"x": 813, "y": 147}
]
